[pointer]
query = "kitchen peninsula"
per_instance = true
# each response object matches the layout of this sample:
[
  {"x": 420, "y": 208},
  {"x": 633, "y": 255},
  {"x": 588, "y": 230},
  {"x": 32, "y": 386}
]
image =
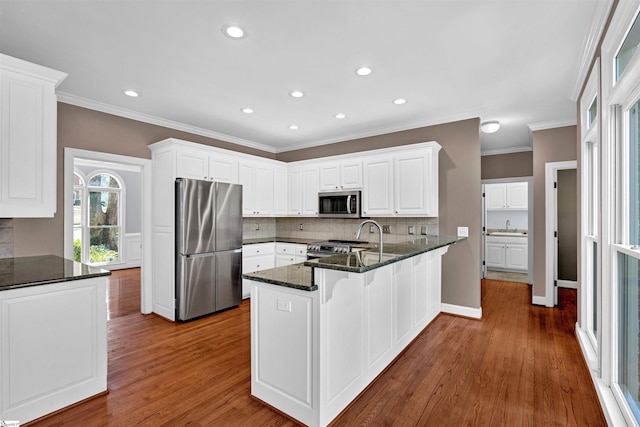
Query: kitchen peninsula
[
  {"x": 53, "y": 335},
  {"x": 323, "y": 330}
]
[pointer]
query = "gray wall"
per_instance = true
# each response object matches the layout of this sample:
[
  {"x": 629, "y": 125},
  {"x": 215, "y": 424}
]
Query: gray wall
[
  {"x": 507, "y": 165},
  {"x": 551, "y": 145}
]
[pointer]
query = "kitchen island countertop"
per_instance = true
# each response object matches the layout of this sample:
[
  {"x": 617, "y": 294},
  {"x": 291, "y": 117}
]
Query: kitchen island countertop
[
  {"x": 39, "y": 270},
  {"x": 300, "y": 276}
]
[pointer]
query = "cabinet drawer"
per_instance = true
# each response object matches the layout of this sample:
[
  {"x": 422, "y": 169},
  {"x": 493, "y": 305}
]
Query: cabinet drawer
[
  {"x": 257, "y": 263},
  {"x": 258, "y": 249},
  {"x": 291, "y": 249}
]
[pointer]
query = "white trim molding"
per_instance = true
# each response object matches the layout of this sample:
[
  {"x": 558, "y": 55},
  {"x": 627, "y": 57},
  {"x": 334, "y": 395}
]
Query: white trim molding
[
  {"x": 533, "y": 127},
  {"x": 459, "y": 310},
  {"x": 507, "y": 150}
]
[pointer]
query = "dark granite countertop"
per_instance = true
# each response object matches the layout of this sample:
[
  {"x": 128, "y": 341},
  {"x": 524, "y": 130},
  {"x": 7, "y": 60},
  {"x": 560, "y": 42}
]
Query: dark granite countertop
[
  {"x": 300, "y": 276},
  {"x": 369, "y": 258},
  {"x": 43, "y": 270},
  {"x": 296, "y": 276},
  {"x": 279, "y": 239}
]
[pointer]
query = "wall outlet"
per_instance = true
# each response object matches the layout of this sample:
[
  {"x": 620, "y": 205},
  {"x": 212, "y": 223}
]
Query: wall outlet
[
  {"x": 257, "y": 226},
  {"x": 410, "y": 230},
  {"x": 386, "y": 229},
  {"x": 301, "y": 227},
  {"x": 372, "y": 229},
  {"x": 463, "y": 231},
  {"x": 284, "y": 305},
  {"x": 423, "y": 230}
]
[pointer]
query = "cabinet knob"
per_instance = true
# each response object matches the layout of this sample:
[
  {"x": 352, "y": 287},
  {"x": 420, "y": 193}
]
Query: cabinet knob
[{"x": 258, "y": 251}]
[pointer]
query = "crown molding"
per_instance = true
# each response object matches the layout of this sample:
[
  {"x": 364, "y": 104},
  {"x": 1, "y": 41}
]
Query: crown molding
[
  {"x": 158, "y": 121},
  {"x": 508, "y": 150},
  {"x": 34, "y": 70},
  {"x": 382, "y": 131},
  {"x": 533, "y": 127},
  {"x": 590, "y": 45}
]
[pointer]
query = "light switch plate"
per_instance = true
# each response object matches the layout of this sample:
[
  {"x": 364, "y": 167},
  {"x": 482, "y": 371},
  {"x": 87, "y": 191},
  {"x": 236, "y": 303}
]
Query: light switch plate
[
  {"x": 423, "y": 230},
  {"x": 463, "y": 231},
  {"x": 410, "y": 230}
]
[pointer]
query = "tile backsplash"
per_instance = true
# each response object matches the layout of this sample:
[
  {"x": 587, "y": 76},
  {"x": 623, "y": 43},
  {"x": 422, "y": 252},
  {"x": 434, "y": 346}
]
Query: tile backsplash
[
  {"x": 336, "y": 228},
  {"x": 6, "y": 237}
]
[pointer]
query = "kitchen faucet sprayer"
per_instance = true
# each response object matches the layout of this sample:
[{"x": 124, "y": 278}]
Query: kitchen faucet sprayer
[{"x": 370, "y": 221}]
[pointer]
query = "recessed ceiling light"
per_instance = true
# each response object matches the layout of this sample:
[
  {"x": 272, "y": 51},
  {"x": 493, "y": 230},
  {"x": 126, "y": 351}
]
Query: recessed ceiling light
[
  {"x": 399, "y": 101},
  {"x": 233, "y": 31},
  {"x": 247, "y": 110},
  {"x": 296, "y": 94},
  {"x": 131, "y": 93},
  {"x": 293, "y": 127},
  {"x": 490, "y": 126},
  {"x": 340, "y": 116},
  {"x": 363, "y": 71}
]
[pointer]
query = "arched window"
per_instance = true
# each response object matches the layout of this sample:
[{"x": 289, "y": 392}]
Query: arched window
[{"x": 97, "y": 217}]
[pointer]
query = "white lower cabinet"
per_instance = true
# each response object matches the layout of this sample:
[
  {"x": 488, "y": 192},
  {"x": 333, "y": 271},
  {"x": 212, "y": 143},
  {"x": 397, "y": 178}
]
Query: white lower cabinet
[
  {"x": 53, "y": 347},
  {"x": 507, "y": 253},
  {"x": 263, "y": 256},
  {"x": 312, "y": 353}
]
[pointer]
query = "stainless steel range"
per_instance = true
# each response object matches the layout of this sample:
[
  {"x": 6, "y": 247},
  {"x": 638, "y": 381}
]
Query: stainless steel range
[{"x": 332, "y": 247}]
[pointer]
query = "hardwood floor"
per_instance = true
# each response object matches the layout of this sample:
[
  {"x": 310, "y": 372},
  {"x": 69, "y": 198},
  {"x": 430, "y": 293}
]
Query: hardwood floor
[{"x": 519, "y": 366}]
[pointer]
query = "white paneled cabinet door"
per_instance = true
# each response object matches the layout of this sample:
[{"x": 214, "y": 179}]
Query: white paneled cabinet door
[
  {"x": 280, "y": 193},
  {"x": 516, "y": 256},
  {"x": 517, "y": 195},
  {"x": 351, "y": 174},
  {"x": 223, "y": 168},
  {"x": 329, "y": 176},
  {"x": 28, "y": 112},
  {"x": 377, "y": 186},
  {"x": 412, "y": 184},
  {"x": 310, "y": 191},
  {"x": 495, "y": 196},
  {"x": 263, "y": 190},
  {"x": 246, "y": 178},
  {"x": 495, "y": 256},
  {"x": 192, "y": 165},
  {"x": 294, "y": 192}
]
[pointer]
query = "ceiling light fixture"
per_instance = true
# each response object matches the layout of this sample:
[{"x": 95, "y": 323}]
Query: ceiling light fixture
[
  {"x": 400, "y": 101},
  {"x": 296, "y": 94},
  {"x": 490, "y": 126},
  {"x": 363, "y": 71},
  {"x": 247, "y": 110},
  {"x": 340, "y": 116},
  {"x": 131, "y": 93},
  {"x": 233, "y": 31},
  {"x": 293, "y": 127}
]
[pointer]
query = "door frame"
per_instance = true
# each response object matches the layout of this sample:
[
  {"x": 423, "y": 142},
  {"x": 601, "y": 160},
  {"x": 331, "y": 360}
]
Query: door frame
[
  {"x": 551, "y": 217},
  {"x": 70, "y": 154},
  {"x": 529, "y": 181}
]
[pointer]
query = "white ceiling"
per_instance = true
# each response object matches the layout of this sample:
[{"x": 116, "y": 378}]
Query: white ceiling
[{"x": 515, "y": 61}]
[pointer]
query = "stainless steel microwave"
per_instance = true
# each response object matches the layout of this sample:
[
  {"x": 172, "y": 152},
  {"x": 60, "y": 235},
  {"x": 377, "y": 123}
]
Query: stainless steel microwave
[{"x": 339, "y": 204}]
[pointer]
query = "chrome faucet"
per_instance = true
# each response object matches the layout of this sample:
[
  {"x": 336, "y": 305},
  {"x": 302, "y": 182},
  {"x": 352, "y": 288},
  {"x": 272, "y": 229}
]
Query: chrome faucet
[
  {"x": 370, "y": 221},
  {"x": 508, "y": 224}
]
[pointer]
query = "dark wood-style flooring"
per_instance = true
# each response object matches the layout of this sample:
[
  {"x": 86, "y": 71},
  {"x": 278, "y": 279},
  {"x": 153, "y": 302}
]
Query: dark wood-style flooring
[{"x": 520, "y": 366}]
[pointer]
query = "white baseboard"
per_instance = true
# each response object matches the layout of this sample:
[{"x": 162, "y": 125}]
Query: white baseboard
[
  {"x": 460, "y": 310},
  {"x": 571, "y": 284}
]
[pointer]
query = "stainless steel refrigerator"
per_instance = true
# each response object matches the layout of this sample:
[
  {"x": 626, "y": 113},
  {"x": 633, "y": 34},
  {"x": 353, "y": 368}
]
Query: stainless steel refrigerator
[{"x": 208, "y": 247}]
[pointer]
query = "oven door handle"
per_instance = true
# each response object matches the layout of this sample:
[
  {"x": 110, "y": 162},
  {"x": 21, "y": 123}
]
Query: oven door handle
[{"x": 349, "y": 204}]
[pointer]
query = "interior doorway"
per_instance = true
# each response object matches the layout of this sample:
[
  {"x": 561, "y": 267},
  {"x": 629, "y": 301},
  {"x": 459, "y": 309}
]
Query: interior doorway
[
  {"x": 561, "y": 229},
  {"x": 74, "y": 156}
]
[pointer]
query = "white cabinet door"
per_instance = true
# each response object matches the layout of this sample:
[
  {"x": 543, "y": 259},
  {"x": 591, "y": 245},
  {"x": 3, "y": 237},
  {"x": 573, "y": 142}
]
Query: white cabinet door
[
  {"x": 257, "y": 189},
  {"x": 351, "y": 174},
  {"x": 329, "y": 176},
  {"x": 377, "y": 197},
  {"x": 495, "y": 196},
  {"x": 192, "y": 165},
  {"x": 310, "y": 191},
  {"x": 495, "y": 255},
  {"x": 516, "y": 256},
  {"x": 294, "y": 192},
  {"x": 223, "y": 168},
  {"x": 517, "y": 195},
  {"x": 28, "y": 139},
  {"x": 412, "y": 184},
  {"x": 280, "y": 193}
]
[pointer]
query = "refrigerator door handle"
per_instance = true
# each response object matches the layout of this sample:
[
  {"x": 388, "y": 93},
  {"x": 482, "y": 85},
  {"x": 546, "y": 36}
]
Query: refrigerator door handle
[{"x": 202, "y": 255}]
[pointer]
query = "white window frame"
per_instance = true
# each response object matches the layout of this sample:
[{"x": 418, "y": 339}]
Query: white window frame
[
  {"x": 613, "y": 169},
  {"x": 590, "y": 198},
  {"x": 121, "y": 217}
]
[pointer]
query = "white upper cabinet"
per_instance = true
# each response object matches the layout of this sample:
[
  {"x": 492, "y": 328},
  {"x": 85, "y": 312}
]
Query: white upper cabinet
[
  {"x": 303, "y": 190},
  {"x": 377, "y": 195},
  {"x": 197, "y": 164},
  {"x": 28, "y": 138},
  {"x": 512, "y": 195},
  {"x": 416, "y": 184},
  {"x": 403, "y": 182},
  {"x": 343, "y": 175},
  {"x": 257, "y": 188},
  {"x": 280, "y": 191}
]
